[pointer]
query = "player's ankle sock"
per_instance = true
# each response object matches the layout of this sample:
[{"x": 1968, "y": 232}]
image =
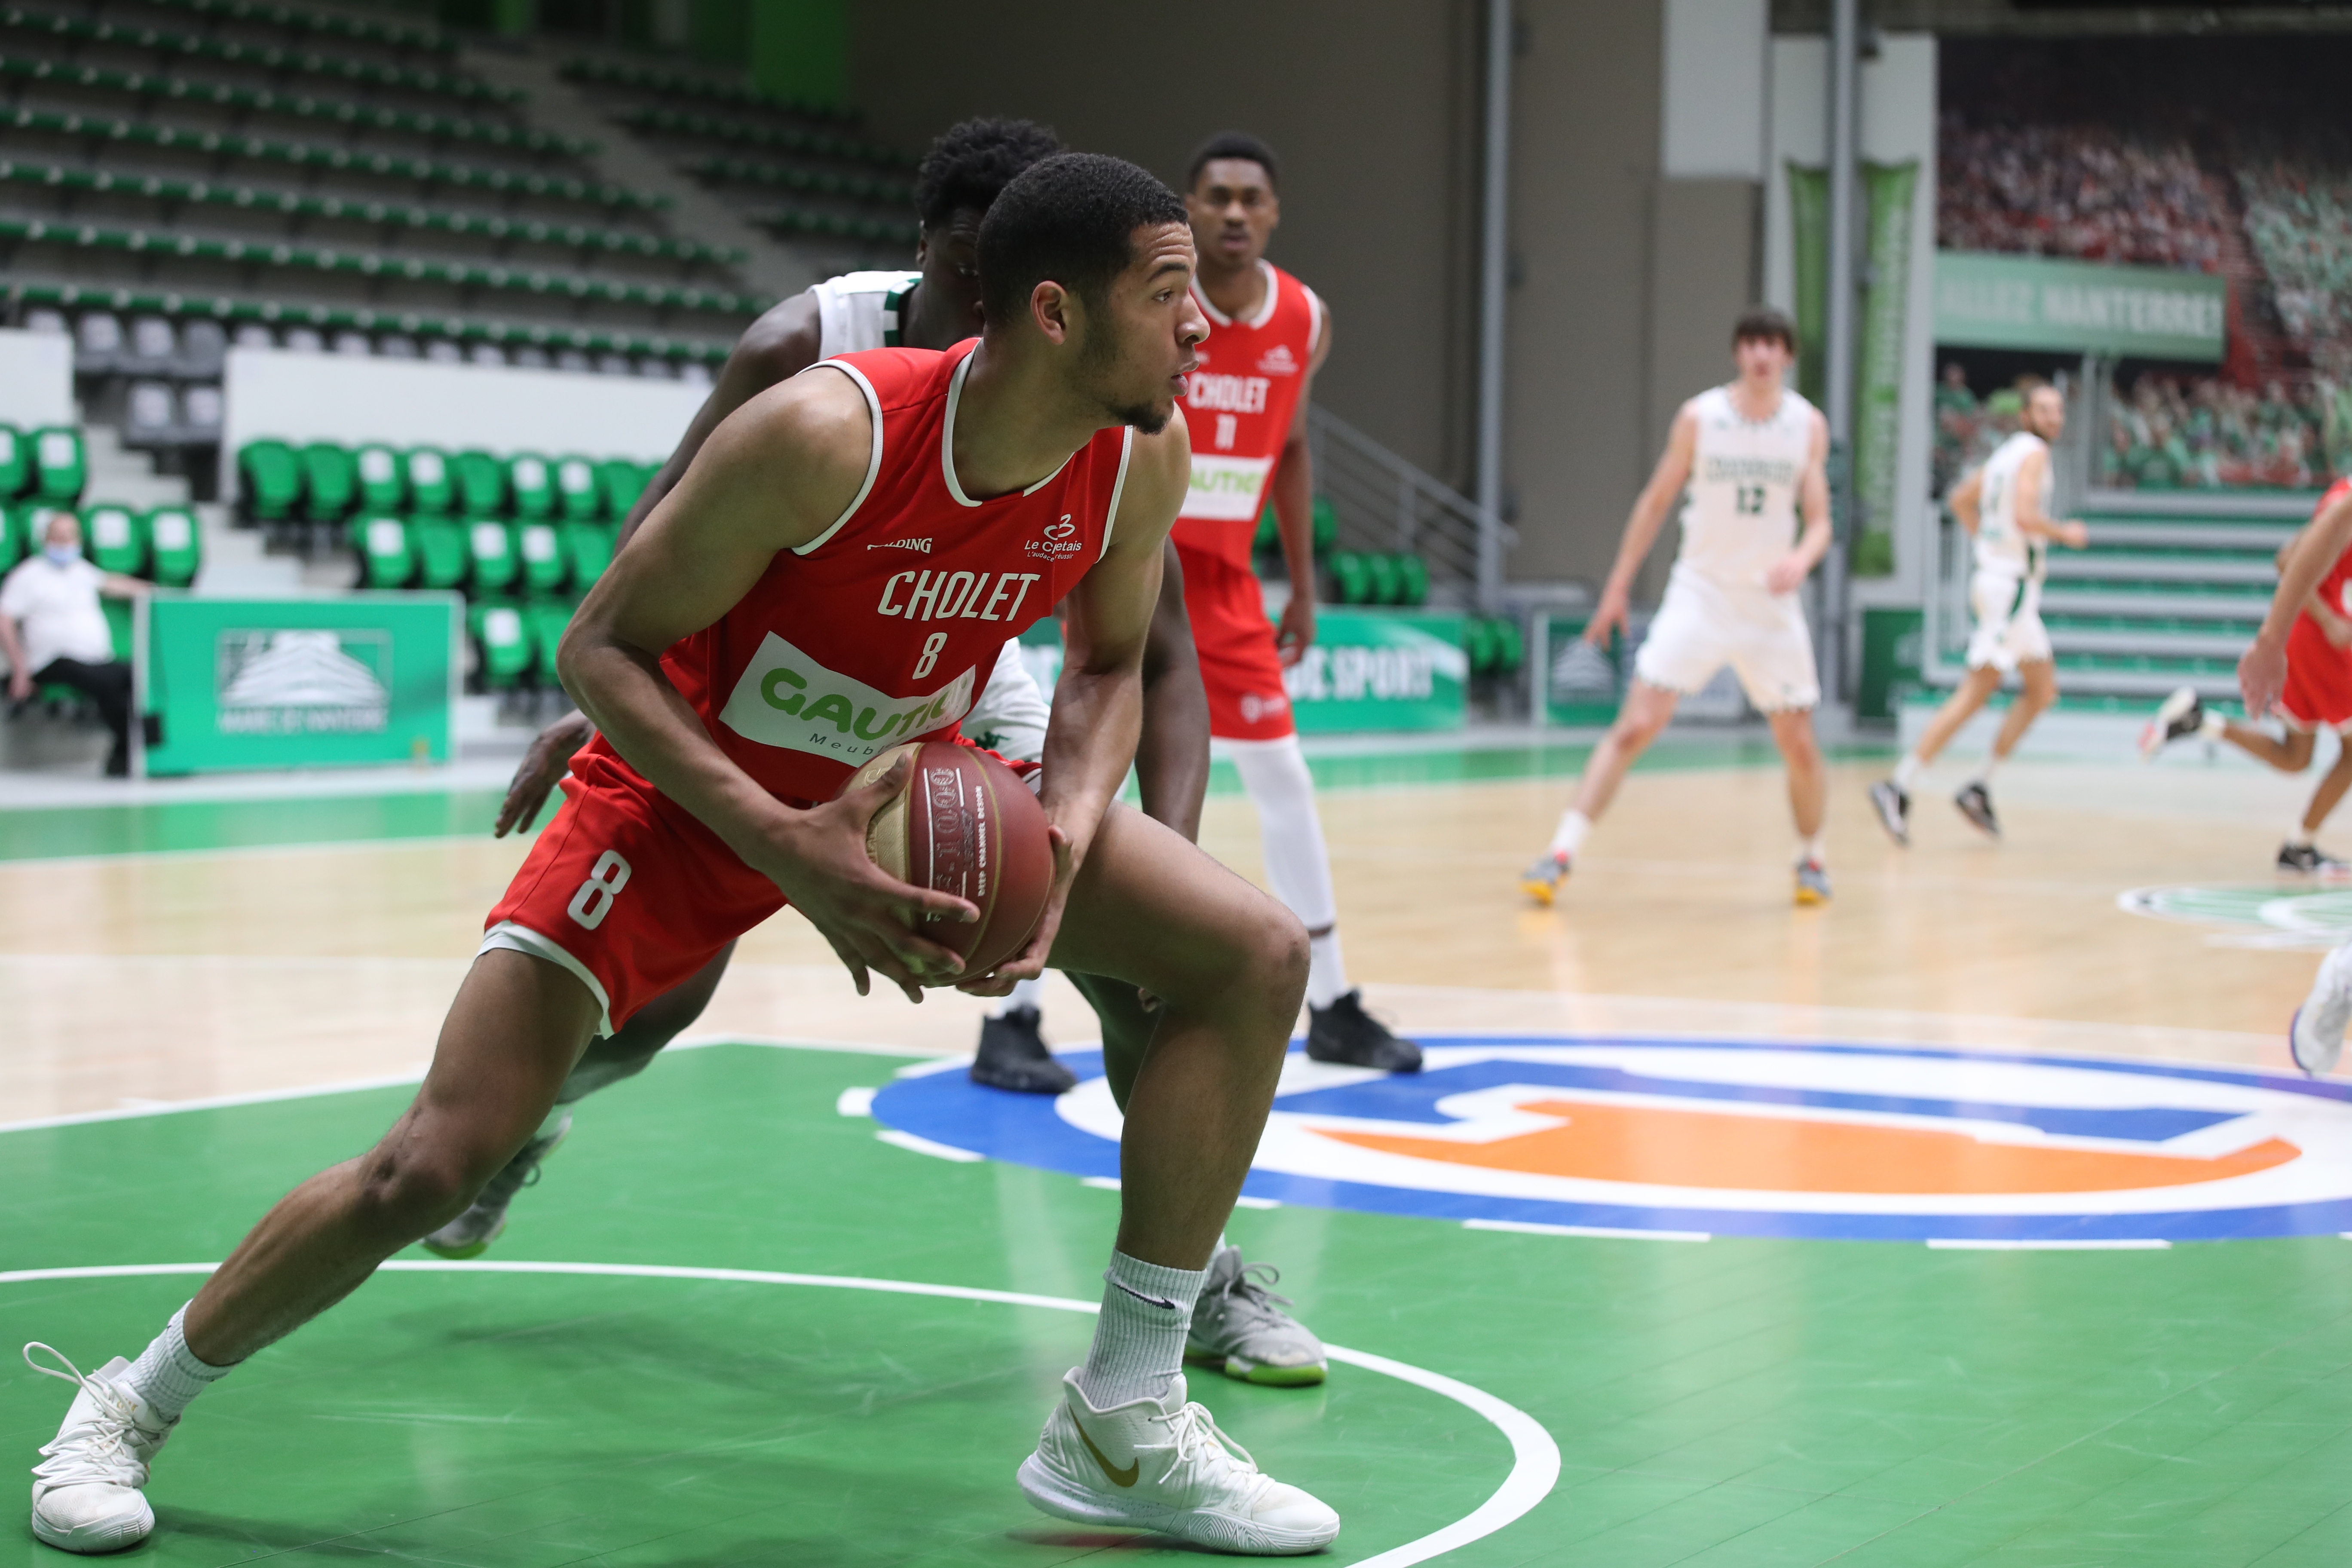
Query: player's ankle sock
[
  {"x": 1983, "y": 775},
  {"x": 1025, "y": 994},
  {"x": 1813, "y": 850},
  {"x": 1327, "y": 973},
  {"x": 2299, "y": 835},
  {"x": 168, "y": 1375},
  {"x": 1907, "y": 770},
  {"x": 1139, "y": 1337},
  {"x": 1568, "y": 840},
  {"x": 2213, "y": 726}
]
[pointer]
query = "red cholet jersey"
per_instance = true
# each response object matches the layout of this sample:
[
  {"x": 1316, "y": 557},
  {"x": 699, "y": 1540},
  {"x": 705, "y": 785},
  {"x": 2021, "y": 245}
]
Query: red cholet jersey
[
  {"x": 2332, "y": 589},
  {"x": 884, "y": 627},
  {"x": 1239, "y": 405}
]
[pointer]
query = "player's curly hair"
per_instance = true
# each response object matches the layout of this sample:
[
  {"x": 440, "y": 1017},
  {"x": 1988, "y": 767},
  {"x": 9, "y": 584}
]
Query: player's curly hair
[
  {"x": 1071, "y": 217},
  {"x": 1234, "y": 144},
  {"x": 972, "y": 162}
]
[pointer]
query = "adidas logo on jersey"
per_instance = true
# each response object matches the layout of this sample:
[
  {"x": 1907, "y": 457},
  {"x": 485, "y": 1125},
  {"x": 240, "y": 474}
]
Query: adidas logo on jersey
[
  {"x": 1279, "y": 360},
  {"x": 921, "y": 546}
]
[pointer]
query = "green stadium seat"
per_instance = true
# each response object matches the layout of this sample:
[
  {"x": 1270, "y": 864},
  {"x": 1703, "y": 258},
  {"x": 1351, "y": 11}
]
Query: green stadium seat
[
  {"x": 544, "y": 564},
  {"x": 62, "y": 462},
  {"x": 15, "y": 464},
  {"x": 491, "y": 552},
  {"x": 546, "y": 621},
  {"x": 1510, "y": 646},
  {"x": 28, "y": 522},
  {"x": 1326, "y": 526},
  {"x": 273, "y": 480},
  {"x": 432, "y": 480},
  {"x": 111, "y": 537},
  {"x": 623, "y": 482},
  {"x": 588, "y": 547},
  {"x": 482, "y": 484},
  {"x": 118, "y": 625},
  {"x": 13, "y": 547},
  {"x": 1483, "y": 649},
  {"x": 1353, "y": 576},
  {"x": 177, "y": 544},
  {"x": 329, "y": 481},
  {"x": 440, "y": 547},
  {"x": 579, "y": 498},
  {"x": 505, "y": 641},
  {"x": 382, "y": 487},
  {"x": 1386, "y": 581},
  {"x": 530, "y": 478},
  {"x": 387, "y": 552},
  {"x": 1415, "y": 586}
]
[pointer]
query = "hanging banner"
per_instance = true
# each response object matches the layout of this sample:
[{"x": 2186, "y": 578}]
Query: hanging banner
[
  {"x": 1809, "y": 221},
  {"x": 1887, "y": 190},
  {"x": 1988, "y": 301}
]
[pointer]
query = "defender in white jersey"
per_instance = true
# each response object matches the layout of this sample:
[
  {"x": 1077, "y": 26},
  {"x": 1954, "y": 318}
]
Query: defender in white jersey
[
  {"x": 1753, "y": 456},
  {"x": 2006, "y": 506}
]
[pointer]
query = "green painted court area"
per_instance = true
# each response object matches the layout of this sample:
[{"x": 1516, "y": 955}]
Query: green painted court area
[{"x": 1734, "y": 1402}]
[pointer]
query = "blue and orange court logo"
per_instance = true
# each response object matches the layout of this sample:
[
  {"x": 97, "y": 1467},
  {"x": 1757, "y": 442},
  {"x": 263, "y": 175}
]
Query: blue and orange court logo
[{"x": 1731, "y": 1137}]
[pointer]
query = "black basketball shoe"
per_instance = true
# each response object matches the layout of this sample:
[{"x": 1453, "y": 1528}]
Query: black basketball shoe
[
  {"x": 1344, "y": 1032},
  {"x": 1012, "y": 1055}
]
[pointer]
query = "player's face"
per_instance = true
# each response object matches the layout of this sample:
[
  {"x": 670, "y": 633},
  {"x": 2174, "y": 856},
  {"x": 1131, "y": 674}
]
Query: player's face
[
  {"x": 1234, "y": 210},
  {"x": 2045, "y": 413},
  {"x": 1761, "y": 360},
  {"x": 1138, "y": 344},
  {"x": 948, "y": 306}
]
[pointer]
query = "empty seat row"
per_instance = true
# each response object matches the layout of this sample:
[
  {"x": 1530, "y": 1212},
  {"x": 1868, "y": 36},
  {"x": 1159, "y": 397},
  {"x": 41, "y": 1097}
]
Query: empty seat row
[
  {"x": 375, "y": 264},
  {"x": 1495, "y": 645},
  {"x": 662, "y": 84},
  {"x": 783, "y": 138},
  {"x": 484, "y": 556},
  {"x": 152, "y": 346},
  {"x": 301, "y": 20},
  {"x": 793, "y": 177},
  {"x": 334, "y": 155},
  {"x": 49, "y": 464},
  {"x": 327, "y": 482},
  {"x": 841, "y": 225},
  {"x": 293, "y": 105},
  {"x": 1368, "y": 577},
  {"x": 407, "y": 214},
  {"x": 162, "y": 544},
  {"x": 156, "y": 413},
  {"x": 517, "y": 642},
  {"x": 24, "y": 22}
]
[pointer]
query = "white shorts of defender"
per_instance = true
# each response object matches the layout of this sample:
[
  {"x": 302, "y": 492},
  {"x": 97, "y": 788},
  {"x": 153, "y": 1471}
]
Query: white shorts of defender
[
  {"x": 2009, "y": 630},
  {"x": 1704, "y": 625}
]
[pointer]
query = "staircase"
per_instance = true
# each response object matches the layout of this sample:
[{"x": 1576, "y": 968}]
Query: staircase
[{"x": 1384, "y": 503}]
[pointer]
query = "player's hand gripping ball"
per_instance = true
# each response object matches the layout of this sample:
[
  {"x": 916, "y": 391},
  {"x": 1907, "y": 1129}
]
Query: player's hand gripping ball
[{"x": 963, "y": 823}]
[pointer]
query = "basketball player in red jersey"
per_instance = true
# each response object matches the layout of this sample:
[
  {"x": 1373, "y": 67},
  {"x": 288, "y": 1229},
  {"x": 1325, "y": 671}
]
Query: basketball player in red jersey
[
  {"x": 1247, "y": 406},
  {"x": 741, "y": 658},
  {"x": 2318, "y": 696}
]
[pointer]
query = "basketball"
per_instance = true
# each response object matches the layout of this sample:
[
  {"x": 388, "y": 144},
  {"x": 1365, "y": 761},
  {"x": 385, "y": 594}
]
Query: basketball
[{"x": 963, "y": 823}]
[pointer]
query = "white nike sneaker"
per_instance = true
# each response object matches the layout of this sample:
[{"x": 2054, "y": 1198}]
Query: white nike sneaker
[
  {"x": 1164, "y": 1466},
  {"x": 86, "y": 1489},
  {"x": 2316, "y": 1038}
]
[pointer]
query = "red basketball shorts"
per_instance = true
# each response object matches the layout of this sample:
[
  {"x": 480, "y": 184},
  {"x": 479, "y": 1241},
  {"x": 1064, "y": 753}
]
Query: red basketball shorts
[
  {"x": 1239, "y": 662},
  {"x": 2318, "y": 694}
]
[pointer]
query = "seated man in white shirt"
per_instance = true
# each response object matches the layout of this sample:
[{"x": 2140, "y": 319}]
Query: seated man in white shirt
[{"x": 53, "y": 631}]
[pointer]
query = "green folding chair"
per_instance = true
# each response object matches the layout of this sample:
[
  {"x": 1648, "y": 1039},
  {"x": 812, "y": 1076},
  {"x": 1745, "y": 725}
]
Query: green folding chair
[
  {"x": 505, "y": 643},
  {"x": 1383, "y": 588},
  {"x": 1327, "y": 525},
  {"x": 273, "y": 478},
  {"x": 547, "y": 621},
  {"x": 1416, "y": 580},
  {"x": 579, "y": 498},
  {"x": 382, "y": 487},
  {"x": 588, "y": 547},
  {"x": 1268, "y": 538},
  {"x": 1352, "y": 575},
  {"x": 492, "y": 561},
  {"x": 432, "y": 480},
  {"x": 544, "y": 566},
  {"x": 440, "y": 547},
  {"x": 1510, "y": 646},
  {"x": 482, "y": 484},
  {"x": 623, "y": 482},
  {"x": 15, "y": 463},
  {"x": 62, "y": 463},
  {"x": 329, "y": 481},
  {"x": 386, "y": 551},
  {"x": 530, "y": 480},
  {"x": 11, "y": 536},
  {"x": 111, "y": 539},
  {"x": 177, "y": 545}
]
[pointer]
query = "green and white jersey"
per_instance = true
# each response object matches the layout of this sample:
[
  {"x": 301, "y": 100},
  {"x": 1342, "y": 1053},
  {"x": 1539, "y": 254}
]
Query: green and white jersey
[
  {"x": 2000, "y": 546},
  {"x": 859, "y": 310},
  {"x": 1741, "y": 515}
]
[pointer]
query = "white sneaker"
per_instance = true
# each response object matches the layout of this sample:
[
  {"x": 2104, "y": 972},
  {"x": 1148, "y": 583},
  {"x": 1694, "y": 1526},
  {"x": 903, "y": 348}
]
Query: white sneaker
[
  {"x": 2316, "y": 1038},
  {"x": 1164, "y": 1465},
  {"x": 86, "y": 1489}
]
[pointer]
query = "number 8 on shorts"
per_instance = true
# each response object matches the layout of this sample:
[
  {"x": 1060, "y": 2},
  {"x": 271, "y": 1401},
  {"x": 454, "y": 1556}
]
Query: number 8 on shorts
[{"x": 594, "y": 901}]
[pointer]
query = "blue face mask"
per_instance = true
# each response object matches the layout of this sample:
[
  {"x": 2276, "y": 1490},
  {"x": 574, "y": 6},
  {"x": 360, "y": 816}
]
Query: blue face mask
[{"x": 62, "y": 554}]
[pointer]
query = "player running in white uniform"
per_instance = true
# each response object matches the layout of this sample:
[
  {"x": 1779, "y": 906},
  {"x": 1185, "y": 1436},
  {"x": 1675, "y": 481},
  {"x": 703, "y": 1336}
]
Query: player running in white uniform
[
  {"x": 1753, "y": 455},
  {"x": 2005, "y": 505}
]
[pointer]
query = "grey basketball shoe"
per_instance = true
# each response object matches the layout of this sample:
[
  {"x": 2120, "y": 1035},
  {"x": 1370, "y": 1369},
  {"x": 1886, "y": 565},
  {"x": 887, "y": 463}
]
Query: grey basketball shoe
[
  {"x": 1892, "y": 804},
  {"x": 2316, "y": 1038},
  {"x": 471, "y": 1232},
  {"x": 1240, "y": 1325}
]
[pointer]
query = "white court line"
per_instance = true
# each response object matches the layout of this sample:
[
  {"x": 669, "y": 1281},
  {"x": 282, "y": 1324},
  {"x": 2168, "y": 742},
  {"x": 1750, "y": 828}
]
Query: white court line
[
  {"x": 1535, "y": 1458},
  {"x": 1605, "y": 1233},
  {"x": 854, "y": 1102},
  {"x": 910, "y": 1141},
  {"x": 1976, "y": 1244}
]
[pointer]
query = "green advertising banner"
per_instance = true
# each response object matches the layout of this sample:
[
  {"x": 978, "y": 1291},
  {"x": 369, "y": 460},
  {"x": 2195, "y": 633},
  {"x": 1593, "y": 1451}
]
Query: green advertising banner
[
  {"x": 1380, "y": 670},
  {"x": 1989, "y": 301},
  {"x": 1809, "y": 223},
  {"x": 1887, "y": 190},
  {"x": 234, "y": 684}
]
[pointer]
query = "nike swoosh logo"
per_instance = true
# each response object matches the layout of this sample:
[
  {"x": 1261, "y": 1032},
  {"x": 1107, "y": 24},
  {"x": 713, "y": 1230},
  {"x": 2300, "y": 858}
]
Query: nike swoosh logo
[
  {"x": 1119, "y": 1477},
  {"x": 1147, "y": 1300}
]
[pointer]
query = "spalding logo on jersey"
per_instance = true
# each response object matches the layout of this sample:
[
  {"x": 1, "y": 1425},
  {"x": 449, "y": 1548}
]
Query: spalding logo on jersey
[
  {"x": 786, "y": 699},
  {"x": 1738, "y": 1137}
]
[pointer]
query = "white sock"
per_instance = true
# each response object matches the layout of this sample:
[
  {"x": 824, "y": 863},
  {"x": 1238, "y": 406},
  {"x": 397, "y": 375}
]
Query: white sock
[
  {"x": 1815, "y": 849},
  {"x": 1568, "y": 840},
  {"x": 1327, "y": 973},
  {"x": 1139, "y": 1345},
  {"x": 2299, "y": 835},
  {"x": 1025, "y": 994},
  {"x": 1909, "y": 770},
  {"x": 168, "y": 1375},
  {"x": 1983, "y": 775},
  {"x": 2213, "y": 726}
]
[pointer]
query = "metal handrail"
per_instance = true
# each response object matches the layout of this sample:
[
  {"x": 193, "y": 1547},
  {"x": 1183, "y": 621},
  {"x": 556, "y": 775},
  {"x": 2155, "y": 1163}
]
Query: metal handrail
[{"x": 1384, "y": 502}]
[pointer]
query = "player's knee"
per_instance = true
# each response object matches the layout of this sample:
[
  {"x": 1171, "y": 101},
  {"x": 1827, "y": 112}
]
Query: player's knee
[{"x": 410, "y": 1193}]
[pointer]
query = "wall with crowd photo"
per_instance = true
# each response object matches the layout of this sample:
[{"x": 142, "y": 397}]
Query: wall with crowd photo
[{"x": 2227, "y": 156}]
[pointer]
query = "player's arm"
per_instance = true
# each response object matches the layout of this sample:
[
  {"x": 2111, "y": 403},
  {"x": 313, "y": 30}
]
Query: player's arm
[
  {"x": 2029, "y": 521},
  {"x": 1171, "y": 759},
  {"x": 1967, "y": 500},
  {"x": 1294, "y": 506},
  {"x": 775, "y": 474},
  {"x": 1098, "y": 701},
  {"x": 775, "y": 348},
  {"x": 1784, "y": 576},
  {"x": 2262, "y": 671},
  {"x": 1649, "y": 515}
]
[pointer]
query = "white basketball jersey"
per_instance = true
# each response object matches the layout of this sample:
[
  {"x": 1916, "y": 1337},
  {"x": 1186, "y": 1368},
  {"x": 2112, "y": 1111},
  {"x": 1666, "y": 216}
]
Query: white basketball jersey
[
  {"x": 2000, "y": 546},
  {"x": 1741, "y": 514},
  {"x": 859, "y": 310}
]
